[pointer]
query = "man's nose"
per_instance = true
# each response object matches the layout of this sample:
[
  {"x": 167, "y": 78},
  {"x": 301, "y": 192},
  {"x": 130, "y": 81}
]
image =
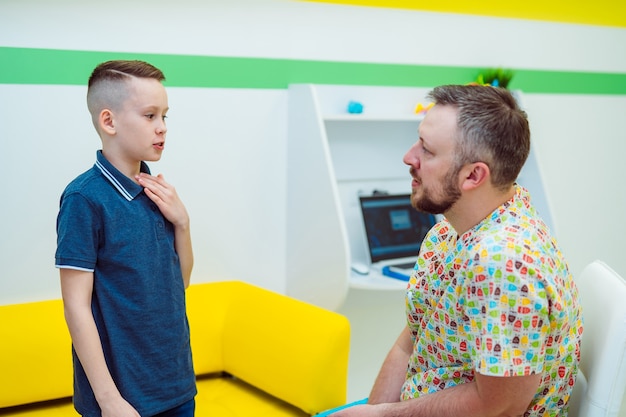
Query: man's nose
[{"x": 410, "y": 157}]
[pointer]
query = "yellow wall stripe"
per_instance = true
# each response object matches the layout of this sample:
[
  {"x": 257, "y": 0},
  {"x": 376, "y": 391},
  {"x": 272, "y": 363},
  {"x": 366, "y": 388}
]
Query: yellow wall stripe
[{"x": 598, "y": 12}]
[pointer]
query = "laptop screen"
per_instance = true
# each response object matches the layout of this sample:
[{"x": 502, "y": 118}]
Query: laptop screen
[{"x": 394, "y": 229}]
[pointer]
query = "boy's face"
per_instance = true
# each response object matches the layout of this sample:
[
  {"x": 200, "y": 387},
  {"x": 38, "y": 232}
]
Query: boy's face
[{"x": 140, "y": 123}]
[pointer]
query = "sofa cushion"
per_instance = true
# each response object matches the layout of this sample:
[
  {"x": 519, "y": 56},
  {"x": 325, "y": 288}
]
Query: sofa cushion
[
  {"x": 217, "y": 396},
  {"x": 229, "y": 397}
]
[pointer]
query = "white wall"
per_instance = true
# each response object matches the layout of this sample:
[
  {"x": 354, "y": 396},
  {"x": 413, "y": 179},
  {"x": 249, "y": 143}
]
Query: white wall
[
  {"x": 220, "y": 154},
  {"x": 581, "y": 141},
  {"x": 226, "y": 148}
]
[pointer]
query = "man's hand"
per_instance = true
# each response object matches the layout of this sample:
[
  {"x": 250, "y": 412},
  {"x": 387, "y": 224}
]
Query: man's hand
[
  {"x": 363, "y": 410},
  {"x": 487, "y": 396}
]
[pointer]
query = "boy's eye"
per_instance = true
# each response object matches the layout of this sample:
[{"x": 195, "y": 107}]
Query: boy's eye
[{"x": 150, "y": 116}]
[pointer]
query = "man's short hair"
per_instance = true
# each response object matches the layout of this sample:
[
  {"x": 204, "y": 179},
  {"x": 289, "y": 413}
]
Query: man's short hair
[
  {"x": 492, "y": 129},
  {"x": 107, "y": 86}
]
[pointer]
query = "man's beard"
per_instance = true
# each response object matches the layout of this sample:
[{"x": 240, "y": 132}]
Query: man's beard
[{"x": 449, "y": 195}]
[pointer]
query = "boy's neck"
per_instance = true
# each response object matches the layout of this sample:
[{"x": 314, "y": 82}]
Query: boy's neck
[{"x": 129, "y": 168}]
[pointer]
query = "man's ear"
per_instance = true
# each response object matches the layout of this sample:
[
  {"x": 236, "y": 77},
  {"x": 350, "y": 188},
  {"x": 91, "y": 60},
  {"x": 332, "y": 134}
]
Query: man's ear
[
  {"x": 474, "y": 175},
  {"x": 106, "y": 122}
]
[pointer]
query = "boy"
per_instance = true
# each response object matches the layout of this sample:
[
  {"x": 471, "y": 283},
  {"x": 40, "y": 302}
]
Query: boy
[{"x": 125, "y": 257}]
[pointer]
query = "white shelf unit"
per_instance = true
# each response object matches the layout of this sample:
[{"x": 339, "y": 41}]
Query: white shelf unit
[{"x": 333, "y": 157}]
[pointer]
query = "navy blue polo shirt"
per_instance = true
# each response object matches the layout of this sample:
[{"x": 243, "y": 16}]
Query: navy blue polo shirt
[{"x": 108, "y": 225}]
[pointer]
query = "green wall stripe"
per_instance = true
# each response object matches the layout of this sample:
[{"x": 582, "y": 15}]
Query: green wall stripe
[{"x": 66, "y": 67}]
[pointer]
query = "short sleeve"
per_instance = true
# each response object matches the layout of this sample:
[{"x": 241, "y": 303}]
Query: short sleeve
[{"x": 78, "y": 231}]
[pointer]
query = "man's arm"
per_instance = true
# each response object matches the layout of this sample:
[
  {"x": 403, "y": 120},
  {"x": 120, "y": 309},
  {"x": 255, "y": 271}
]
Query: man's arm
[
  {"x": 392, "y": 373},
  {"x": 76, "y": 289},
  {"x": 486, "y": 396},
  {"x": 164, "y": 195}
]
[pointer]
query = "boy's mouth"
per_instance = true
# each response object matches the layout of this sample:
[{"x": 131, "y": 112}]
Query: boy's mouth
[{"x": 159, "y": 145}]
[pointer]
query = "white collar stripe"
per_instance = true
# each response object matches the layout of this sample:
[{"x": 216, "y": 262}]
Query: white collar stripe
[{"x": 114, "y": 181}]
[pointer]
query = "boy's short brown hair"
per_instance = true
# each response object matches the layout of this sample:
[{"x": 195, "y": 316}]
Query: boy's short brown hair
[{"x": 107, "y": 84}]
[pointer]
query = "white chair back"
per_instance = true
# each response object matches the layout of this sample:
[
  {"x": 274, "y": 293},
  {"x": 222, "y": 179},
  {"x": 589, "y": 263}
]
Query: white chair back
[{"x": 599, "y": 392}]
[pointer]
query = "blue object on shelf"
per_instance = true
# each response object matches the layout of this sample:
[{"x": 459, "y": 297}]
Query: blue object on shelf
[
  {"x": 393, "y": 274},
  {"x": 354, "y": 107}
]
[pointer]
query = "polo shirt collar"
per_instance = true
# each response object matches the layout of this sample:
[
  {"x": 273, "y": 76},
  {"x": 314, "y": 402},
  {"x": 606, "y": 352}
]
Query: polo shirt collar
[{"x": 128, "y": 188}]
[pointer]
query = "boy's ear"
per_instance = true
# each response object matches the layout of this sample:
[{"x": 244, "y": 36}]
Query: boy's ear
[
  {"x": 474, "y": 175},
  {"x": 106, "y": 122}
]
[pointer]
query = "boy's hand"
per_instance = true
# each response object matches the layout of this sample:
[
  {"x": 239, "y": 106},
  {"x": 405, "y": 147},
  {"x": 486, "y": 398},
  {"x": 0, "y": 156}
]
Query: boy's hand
[
  {"x": 119, "y": 408},
  {"x": 165, "y": 197}
]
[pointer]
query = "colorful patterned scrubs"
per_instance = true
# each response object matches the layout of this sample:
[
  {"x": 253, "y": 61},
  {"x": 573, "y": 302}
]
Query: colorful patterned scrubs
[{"x": 499, "y": 300}]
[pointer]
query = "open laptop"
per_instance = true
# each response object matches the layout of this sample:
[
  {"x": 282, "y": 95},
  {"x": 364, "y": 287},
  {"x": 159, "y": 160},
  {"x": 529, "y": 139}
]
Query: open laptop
[{"x": 394, "y": 232}]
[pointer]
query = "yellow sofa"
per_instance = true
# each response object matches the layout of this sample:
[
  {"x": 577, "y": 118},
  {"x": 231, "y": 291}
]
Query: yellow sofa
[{"x": 256, "y": 353}]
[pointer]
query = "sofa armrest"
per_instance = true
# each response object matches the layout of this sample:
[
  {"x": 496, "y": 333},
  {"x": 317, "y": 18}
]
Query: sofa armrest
[
  {"x": 35, "y": 353},
  {"x": 207, "y": 304},
  {"x": 290, "y": 349}
]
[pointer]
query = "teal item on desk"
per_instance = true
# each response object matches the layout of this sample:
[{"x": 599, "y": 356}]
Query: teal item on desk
[
  {"x": 334, "y": 410},
  {"x": 393, "y": 274}
]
